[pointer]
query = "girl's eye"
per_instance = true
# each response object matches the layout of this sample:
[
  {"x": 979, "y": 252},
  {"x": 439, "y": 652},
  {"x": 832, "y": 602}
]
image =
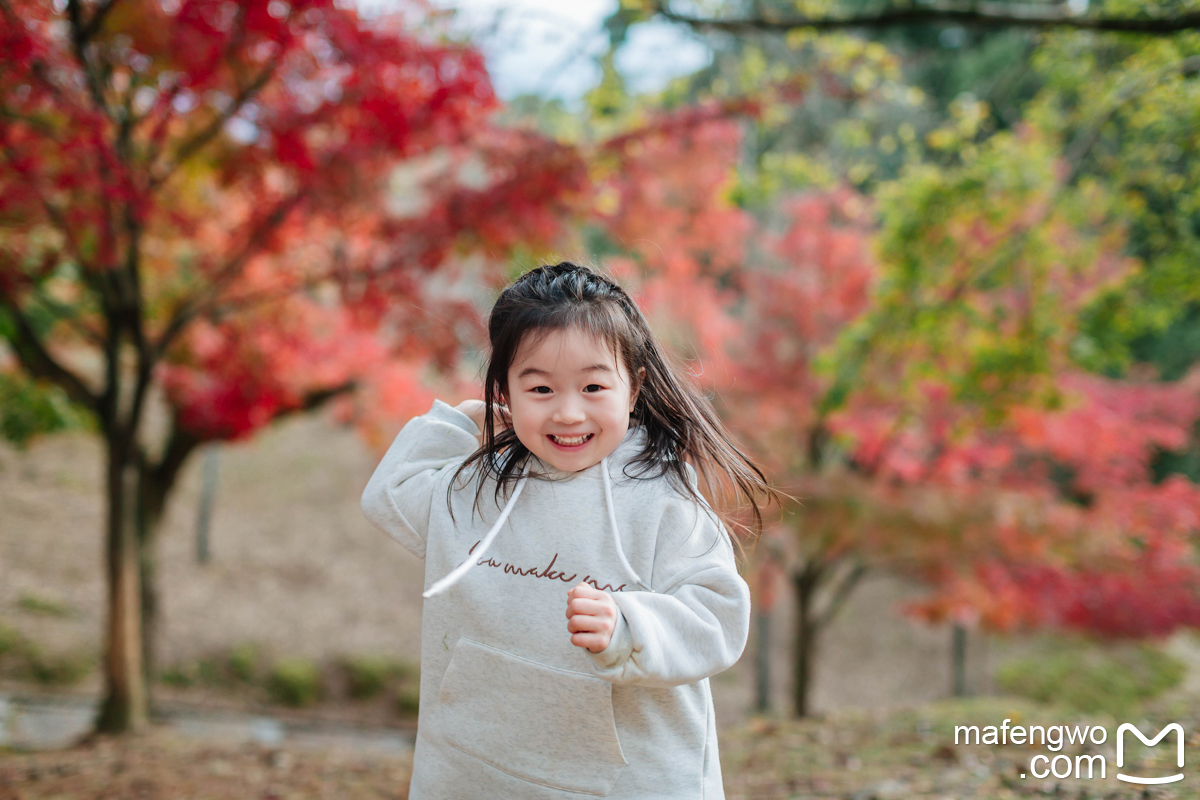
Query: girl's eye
[
  {"x": 597, "y": 386},
  {"x": 538, "y": 389}
]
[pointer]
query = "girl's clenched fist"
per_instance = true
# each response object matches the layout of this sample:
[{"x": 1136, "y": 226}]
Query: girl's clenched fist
[{"x": 591, "y": 617}]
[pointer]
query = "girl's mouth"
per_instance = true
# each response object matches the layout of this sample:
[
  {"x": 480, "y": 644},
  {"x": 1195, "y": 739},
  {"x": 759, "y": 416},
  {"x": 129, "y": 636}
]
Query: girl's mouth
[{"x": 570, "y": 442}]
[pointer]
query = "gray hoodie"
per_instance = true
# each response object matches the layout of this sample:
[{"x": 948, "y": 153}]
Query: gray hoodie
[{"x": 509, "y": 707}]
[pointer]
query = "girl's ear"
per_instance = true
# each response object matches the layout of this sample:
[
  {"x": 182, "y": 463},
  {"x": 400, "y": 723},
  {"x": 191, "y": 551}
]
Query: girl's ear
[{"x": 633, "y": 396}]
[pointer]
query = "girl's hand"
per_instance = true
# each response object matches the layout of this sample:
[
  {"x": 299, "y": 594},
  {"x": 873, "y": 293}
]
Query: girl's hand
[
  {"x": 476, "y": 409},
  {"x": 591, "y": 617}
]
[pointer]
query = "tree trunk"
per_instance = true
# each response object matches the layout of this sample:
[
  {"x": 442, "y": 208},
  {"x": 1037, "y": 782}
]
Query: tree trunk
[
  {"x": 208, "y": 491},
  {"x": 125, "y": 703},
  {"x": 805, "y": 584},
  {"x": 152, "y": 498},
  {"x": 958, "y": 659},
  {"x": 762, "y": 663},
  {"x": 156, "y": 482}
]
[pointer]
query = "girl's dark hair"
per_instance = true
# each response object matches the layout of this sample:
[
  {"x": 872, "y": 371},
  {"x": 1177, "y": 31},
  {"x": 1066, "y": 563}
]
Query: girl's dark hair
[{"x": 679, "y": 422}]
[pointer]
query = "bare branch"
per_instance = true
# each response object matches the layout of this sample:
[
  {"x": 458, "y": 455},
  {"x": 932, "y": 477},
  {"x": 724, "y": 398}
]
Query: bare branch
[
  {"x": 92, "y": 26},
  {"x": 64, "y": 312},
  {"x": 193, "y": 145},
  {"x": 203, "y": 137},
  {"x": 208, "y": 299},
  {"x": 37, "y": 360},
  {"x": 841, "y": 594},
  {"x": 979, "y": 14},
  {"x": 79, "y": 44}
]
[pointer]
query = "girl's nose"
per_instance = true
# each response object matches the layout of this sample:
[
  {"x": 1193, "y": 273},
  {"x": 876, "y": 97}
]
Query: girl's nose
[{"x": 568, "y": 412}]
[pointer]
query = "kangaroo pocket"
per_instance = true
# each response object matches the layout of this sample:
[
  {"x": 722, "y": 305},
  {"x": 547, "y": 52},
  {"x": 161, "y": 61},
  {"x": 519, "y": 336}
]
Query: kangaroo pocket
[{"x": 541, "y": 724}]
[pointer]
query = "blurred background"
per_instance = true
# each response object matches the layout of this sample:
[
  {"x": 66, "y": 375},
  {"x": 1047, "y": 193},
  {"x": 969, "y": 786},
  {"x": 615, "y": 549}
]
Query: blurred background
[{"x": 935, "y": 264}]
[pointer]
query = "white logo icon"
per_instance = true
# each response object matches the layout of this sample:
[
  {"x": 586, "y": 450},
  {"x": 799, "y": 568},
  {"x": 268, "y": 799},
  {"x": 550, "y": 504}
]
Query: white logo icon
[{"x": 1174, "y": 726}]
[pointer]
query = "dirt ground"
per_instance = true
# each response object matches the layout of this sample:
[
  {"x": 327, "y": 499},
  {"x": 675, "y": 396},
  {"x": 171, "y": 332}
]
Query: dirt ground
[
  {"x": 155, "y": 766},
  {"x": 849, "y": 755},
  {"x": 297, "y": 570}
]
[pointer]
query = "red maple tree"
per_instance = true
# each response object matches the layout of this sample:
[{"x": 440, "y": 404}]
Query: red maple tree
[{"x": 201, "y": 200}]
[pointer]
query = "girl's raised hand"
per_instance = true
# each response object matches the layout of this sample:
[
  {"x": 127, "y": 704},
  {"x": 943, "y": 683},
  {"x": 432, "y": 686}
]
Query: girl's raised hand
[
  {"x": 591, "y": 617},
  {"x": 476, "y": 409}
]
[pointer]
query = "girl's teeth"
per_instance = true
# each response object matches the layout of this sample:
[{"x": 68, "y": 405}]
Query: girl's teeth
[{"x": 572, "y": 441}]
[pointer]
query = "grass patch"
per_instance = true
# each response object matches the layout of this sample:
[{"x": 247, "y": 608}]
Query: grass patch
[
  {"x": 370, "y": 675},
  {"x": 22, "y": 658},
  {"x": 211, "y": 672},
  {"x": 1090, "y": 678},
  {"x": 45, "y": 606},
  {"x": 60, "y": 669},
  {"x": 10, "y": 641},
  {"x": 222, "y": 670},
  {"x": 244, "y": 661},
  {"x": 911, "y": 754},
  {"x": 294, "y": 681},
  {"x": 408, "y": 700},
  {"x": 179, "y": 676}
]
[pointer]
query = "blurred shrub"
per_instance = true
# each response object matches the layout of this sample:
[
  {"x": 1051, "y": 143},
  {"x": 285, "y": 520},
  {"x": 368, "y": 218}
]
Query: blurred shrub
[
  {"x": 368, "y": 676},
  {"x": 1093, "y": 679},
  {"x": 60, "y": 669},
  {"x": 10, "y": 641},
  {"x": 294, "y": 681},
  {"x": 210, "y": 672},
  {"x": 179, "y": 676},
  {"x": 22, "y": 658},
  {"x": 244, "y": 662},
  {"x": 31, "y": 408},
  {"x": 408, "y": 699}
]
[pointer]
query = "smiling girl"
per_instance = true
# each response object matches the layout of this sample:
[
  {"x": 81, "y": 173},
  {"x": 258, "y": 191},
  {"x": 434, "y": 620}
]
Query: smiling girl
[{"x": 586, "y": 438}]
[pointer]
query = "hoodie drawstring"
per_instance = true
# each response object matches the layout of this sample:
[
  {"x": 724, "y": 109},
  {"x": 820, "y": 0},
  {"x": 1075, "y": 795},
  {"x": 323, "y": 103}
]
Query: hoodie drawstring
[
  {"x": 476, "y": 556},
  {"x": 612, "y": 519}
]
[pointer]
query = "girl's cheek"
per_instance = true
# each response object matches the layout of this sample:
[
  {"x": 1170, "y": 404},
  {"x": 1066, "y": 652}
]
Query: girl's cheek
[{"x": 522, "y": 435}]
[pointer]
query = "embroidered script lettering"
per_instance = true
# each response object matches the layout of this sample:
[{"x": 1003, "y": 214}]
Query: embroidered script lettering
[{"x": 547, "y": 572}]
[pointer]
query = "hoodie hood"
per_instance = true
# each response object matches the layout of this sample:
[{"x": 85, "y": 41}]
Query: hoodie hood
[{"x": 628, "y": 449}]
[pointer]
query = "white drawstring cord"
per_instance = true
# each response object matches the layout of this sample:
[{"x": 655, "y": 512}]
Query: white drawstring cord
[
  {"x": 612, "y": 519},
  {"x": 475, "y": 557}
]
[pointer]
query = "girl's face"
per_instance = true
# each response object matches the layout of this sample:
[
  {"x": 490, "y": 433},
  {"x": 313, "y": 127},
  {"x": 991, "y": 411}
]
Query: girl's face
[{"x": 569, "y": 398}]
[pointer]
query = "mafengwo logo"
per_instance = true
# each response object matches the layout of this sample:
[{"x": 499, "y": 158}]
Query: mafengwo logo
[
  {"x": 1084, "y": 765},
  {"x": 1174, "y": 726}
]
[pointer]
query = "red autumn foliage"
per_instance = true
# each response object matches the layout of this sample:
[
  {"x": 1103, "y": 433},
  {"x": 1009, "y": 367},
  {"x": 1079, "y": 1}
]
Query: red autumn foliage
[{"x": 1050, "y": 518}]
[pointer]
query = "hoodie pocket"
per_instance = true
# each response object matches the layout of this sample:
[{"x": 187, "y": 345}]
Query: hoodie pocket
[{"x": 541, "y": 724}]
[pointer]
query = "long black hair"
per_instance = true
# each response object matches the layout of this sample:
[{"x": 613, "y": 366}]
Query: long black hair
[{"x": 679, "y": 422}]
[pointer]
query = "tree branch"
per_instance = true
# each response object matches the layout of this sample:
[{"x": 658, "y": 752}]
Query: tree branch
[
  {"x": 200, "y": 304},
  {"x": 188, "y": 148},
  {"x": 80, "y": 34},
  {"x": 841, "y": 594},
  {"x": 979, "y": 14},
  {"x": 203, "y": 137},
  {"x": 64, "y": 312},
  {"x": 37, "y": 359},
  {"x": 92, "y": 27}
]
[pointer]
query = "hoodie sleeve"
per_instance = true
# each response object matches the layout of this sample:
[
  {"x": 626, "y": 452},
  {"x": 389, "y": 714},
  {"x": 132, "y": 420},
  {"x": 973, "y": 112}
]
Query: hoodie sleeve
[
  {"x": 402, "y": 489},
  {"x": 695, "y": 622}
]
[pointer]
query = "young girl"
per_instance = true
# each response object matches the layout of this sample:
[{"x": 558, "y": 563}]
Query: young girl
[{"x": 569, "y": 631}]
